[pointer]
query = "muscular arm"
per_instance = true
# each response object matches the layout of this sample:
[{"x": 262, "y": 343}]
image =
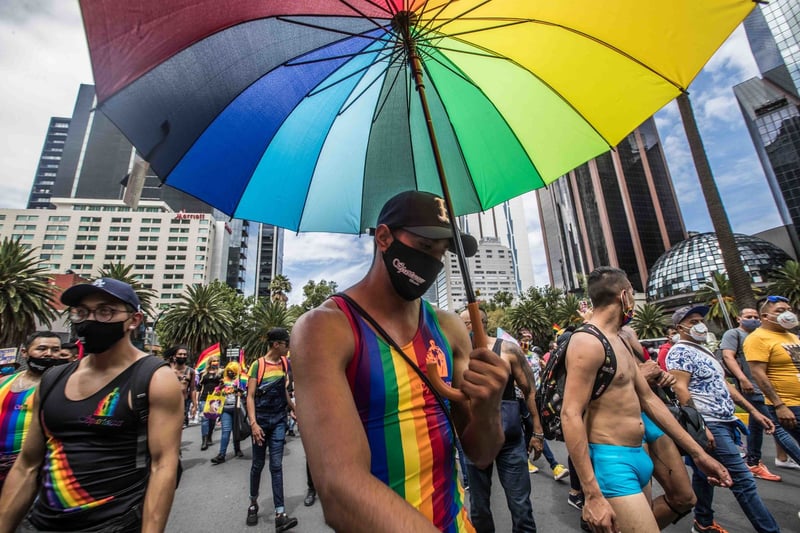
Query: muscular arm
[
  {"x": 482, "y": 376},
  {"x": 20, "y": 485},
  {"x": 729, "y": 358},
  {"x": 333, "y": 436},
  {"x": 163, "y": 442},
  {"x": 584, "y": 356},
  {"x": 759, "y": 371},
  {"x": 524, "y": 378}
]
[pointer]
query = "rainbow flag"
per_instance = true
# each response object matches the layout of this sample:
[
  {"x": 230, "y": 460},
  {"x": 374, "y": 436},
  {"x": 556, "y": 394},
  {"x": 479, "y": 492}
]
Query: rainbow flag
[
  {"x": 243, "y": 373},
  {"x": 504, "y": 335},
  {"x": 202, "y": 360}
]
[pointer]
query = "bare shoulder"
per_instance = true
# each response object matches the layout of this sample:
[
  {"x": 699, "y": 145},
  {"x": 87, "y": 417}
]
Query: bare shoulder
[
  {"x": 163, "y": 383},
  {"x": 454, "y": 329},
  {"x": 324, "y": 329},
  {"x": 585, "y": 349}
]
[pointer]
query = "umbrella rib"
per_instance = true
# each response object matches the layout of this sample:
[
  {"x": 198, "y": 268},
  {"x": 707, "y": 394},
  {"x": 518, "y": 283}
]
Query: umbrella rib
[
  {"x": 439, "y": 9},
  {"x": 370, "y": 84},
  {"x": 362, "y": 14},
  {"x": 333, "y": 30},
  {"x": 354, "y": 73},
  {"x": 381, "y": 105},
  {"x": 292, "y": 63},
  {"x": 427, "y": 26}
]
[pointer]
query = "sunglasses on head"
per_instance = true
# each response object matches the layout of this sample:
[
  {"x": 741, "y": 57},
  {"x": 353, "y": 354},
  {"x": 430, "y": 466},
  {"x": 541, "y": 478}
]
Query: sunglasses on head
[{"x": 773, "y": 299}]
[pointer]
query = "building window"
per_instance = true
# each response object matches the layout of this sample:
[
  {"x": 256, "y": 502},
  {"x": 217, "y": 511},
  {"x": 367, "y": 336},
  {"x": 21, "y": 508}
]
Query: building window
[{"x": 57, "y": 218}]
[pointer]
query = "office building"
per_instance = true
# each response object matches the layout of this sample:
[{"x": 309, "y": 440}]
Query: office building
[
  {"x": 169, "y": 251},
  {"x": 270, "y": 255},
  {"x": 771, "y": 104},
  {"x": 49, "y": 161},
  {"x": 618, "y": 209}
]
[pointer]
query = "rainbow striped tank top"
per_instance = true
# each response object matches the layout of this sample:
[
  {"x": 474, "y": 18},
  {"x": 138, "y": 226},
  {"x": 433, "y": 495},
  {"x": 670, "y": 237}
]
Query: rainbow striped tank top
[
  {"x": 410, "y": 439},
  {"x": 16, "y": 409}
]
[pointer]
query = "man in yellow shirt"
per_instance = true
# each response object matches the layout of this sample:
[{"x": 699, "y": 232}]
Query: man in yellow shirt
[{"x": 773, "y": 353}]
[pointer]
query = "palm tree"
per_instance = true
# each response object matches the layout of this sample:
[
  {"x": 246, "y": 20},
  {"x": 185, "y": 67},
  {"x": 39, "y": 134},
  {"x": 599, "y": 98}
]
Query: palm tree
[
  {"x": 279, "y": 286},
  {"x": 531, "y": 314},
  {"x": 740, "y": 280},
  {"x": 649, "y": 321},
  {"x": 502, "y": 299},
  {"x": 200, "y": 319},
  {"x": 786, "y": 282},
  {"x": 716, "y": 309},
  {"x": 122, "y": 272},
  {"x": 25, "y": 293},
  {"x": 266, "y": 314},
  {"x": 567, "y": 311}
]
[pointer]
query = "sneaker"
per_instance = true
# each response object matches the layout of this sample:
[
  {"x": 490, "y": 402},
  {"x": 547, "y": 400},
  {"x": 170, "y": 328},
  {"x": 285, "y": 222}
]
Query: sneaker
[
  {"x": 284, "y": 522},
  {"x": 219, "y": 459},
  {"x": 576, "y": 500},
  {"x": 788, "y": 463},
  {"x": 311, "y": 497},
  {"x": 560, "y": 472},
  {"x": 713, "y": 528},
  {"x": 760, "y": 471},
  {"x": 239, "y": 453},
  {"x": 532, "y": 468},
  {"x": 252, "y": 514}
]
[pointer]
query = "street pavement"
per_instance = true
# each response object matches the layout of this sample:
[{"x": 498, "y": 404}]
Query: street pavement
[{"x": 214, "y": 498}]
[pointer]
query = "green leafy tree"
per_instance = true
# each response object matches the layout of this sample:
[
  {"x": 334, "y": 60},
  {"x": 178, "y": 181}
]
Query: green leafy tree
[
  {"x": 649, "y": 321},
  {"x": 266, "y": 314},
  {"x": 25, "y": 293},
  {"x": 502, "y": 299},
  {"x": 708, "y": 295},
  {"x": 531, "y": 314},
  {"x": 786, "y": 282},
  {"x": 567, "y": 311},
  {"x": 314, "y": 293},
  {"x": 279, "y": 287},
  {"x": 122, "y": 272},
  {"x": 199, "y": 319},
  {"x": 239, "y": 307}
]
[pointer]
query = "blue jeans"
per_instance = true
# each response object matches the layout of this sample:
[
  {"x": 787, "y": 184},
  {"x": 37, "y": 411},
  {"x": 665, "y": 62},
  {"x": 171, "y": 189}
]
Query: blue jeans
[
  {"x": 744, "y": 485},
  {"x": 206, "y": 425},
  {"x": 462, "y": 461},
  {"x": 756, "y": 431},
  {"x": 227, "y": 428},
  {"x": 512, "y": 469},
  {"x": 548, "y": 455},
  {"x": 274, "y": 428},
  {"x": 788, "y": 438}
]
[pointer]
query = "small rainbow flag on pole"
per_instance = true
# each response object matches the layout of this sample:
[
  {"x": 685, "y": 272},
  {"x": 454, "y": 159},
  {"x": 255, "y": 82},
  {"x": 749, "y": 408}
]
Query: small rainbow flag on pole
[
  {"x": 208, "y": 353},
  {"x": 558, "y": 329}
]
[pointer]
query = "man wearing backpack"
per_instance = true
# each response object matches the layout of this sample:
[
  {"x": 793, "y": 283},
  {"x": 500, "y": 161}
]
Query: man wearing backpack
[
  {"x": 603, "y": 426},
  {"x": 82, "y": 448},
  {"x": 267, "y": 403}
]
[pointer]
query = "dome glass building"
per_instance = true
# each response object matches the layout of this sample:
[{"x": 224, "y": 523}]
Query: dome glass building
[{"x": 684, "y": 269}]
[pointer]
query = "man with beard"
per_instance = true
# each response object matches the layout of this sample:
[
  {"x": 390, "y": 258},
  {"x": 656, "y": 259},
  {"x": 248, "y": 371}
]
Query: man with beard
[
  {"x": 41, "y": 351},
  {"x": 81, "y": 451},
  {"x": 380, "y": 445},
  {"x": 185, "y": 374}
]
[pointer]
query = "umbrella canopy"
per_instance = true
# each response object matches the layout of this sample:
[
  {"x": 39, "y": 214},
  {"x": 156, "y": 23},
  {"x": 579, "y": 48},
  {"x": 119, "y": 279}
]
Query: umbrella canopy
[{"x": 304, "y": 114}]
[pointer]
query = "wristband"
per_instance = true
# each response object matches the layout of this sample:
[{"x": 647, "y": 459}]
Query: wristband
[
  {"x": 779, "y": 405},
  {"x": 539, "y": 436}
]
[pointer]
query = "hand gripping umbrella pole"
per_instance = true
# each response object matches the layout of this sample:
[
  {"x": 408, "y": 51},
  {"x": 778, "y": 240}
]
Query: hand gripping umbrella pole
[{"x": 402, "y": 23}]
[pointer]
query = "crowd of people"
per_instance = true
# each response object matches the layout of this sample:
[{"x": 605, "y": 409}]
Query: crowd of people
[{"x": 91, "y": 441}]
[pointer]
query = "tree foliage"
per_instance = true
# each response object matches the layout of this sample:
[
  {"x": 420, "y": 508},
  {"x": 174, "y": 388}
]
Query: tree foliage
[
  {"x": 201, "y": 318},
  {"x": 265, "y": 314},
  {"x": 279, "y": 287},
  {"x": 503, "y": 299},
  {"x": 785, "y": 282},
  {"x": 25, "y": 293},
  {"x": 314, "y": 293},
  {"x": 649, "y": 321}
]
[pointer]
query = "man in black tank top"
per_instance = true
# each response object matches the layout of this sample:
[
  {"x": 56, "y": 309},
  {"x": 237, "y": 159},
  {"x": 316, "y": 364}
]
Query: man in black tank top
[
  {"x": 512, "y": 459},
  {"x": 82, "y": 442}
]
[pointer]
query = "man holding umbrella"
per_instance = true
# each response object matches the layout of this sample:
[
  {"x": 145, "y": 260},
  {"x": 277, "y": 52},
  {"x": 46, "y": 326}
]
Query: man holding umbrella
[{"x": 379, "y": 442}]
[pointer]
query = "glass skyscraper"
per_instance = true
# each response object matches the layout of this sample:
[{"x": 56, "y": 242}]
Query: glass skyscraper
[
  {"x": 618, "y": 209},
  {"x": 771, "y": 104}
]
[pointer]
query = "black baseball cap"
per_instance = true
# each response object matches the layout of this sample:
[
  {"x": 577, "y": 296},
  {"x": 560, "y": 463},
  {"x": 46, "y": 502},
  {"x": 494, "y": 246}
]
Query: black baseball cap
[
  {"x": 423, "y": 214},
  {"x": 113, "y": 287},
  {"x": 277, "y": 334}
]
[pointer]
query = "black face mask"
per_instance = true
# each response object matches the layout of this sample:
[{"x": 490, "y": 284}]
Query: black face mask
[
  {"x": 181, "y": 361},
  {"x": 412, "y": 272},
  {"x": 38, "y": 365},
  {"x": 99, "y": 336}
]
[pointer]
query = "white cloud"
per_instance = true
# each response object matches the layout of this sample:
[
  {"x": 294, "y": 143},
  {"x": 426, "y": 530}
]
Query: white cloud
[{"x": 734, "y": 59}]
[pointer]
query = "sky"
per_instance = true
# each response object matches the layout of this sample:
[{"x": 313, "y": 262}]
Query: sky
[{"x": 44, "y": 58}]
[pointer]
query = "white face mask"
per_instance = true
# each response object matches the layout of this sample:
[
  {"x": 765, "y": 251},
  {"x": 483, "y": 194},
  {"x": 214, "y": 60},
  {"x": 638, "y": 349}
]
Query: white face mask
[
  {"x": 675, "y": 338},
  {"x": 699, "y": 332},
  {"x": 787, "y": 320}
]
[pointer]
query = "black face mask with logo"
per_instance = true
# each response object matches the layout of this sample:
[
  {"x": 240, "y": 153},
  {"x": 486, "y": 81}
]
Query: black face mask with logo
[
  {"x": 38, "y": 365},
  {"x": 97, "y": 337},
  {"x": 411, "y": 271}
]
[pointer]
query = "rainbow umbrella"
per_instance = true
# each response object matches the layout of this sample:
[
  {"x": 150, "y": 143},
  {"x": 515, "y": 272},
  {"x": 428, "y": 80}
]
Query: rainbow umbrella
[{"x": 310, "y": 114}]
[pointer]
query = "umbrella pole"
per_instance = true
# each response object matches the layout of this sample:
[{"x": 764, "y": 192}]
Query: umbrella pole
[{"x": 479, "y": 337}]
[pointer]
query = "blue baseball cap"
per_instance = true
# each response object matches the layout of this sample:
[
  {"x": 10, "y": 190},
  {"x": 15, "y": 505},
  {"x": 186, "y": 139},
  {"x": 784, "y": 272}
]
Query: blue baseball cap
[
  {"x": 679, "y": 315},
  {"x": 110, "y": 286}
]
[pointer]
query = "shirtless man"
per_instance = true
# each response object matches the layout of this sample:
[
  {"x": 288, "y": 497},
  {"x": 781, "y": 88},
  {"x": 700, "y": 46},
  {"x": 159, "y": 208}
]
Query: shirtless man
[
  {"x": 512, "y": 460},
  {"x": 604, "y": 436},
  {"x": 379, "y": 445}
]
